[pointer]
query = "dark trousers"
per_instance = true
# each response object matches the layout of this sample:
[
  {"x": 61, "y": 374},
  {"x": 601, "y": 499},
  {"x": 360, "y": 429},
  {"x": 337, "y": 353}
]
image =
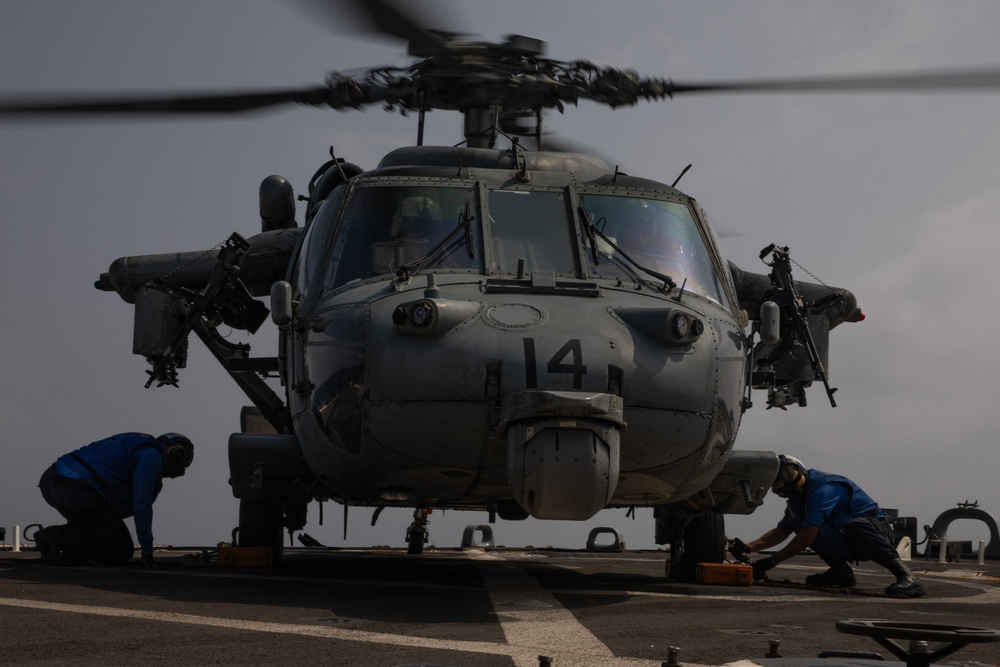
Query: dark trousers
[
  {"x": 869, "y": 538},
  {"x": 95, "y": 531}
]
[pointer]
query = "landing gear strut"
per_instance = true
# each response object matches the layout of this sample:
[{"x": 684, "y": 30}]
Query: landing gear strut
[
  {"x": 262, "y": 524},
  {"x": 417, "y": 534}
]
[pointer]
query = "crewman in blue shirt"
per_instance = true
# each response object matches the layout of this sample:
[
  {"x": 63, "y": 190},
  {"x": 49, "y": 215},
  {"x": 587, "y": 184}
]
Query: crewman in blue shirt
[
  {"x": 831, "y": 515},
  {"x": 96, "y": 487}
]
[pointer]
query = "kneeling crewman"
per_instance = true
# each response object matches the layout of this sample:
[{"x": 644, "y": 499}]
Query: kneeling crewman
[
  {"x": 839, "y": 521},
  {"x": 96, "y": 487}
]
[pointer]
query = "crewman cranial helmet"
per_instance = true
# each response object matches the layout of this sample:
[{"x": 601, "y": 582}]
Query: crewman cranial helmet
[
  {"x": 791, "y": 477},
  {"x": 179, "y": 453}
]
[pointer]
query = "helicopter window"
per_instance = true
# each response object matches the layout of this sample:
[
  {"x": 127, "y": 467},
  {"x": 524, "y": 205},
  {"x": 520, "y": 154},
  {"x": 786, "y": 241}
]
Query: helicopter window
[
  {"x": 386, "y": 226},
  {"x": 315, "y": 243},
  {"x": 531, "y": 226},
  {"x": 658, "y": 235}
]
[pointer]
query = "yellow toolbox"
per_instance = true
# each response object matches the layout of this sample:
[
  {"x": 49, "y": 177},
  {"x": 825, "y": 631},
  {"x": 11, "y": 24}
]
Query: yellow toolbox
[
  {"x": 724, "y": 574},
  {"x": 244, "y": 556}
]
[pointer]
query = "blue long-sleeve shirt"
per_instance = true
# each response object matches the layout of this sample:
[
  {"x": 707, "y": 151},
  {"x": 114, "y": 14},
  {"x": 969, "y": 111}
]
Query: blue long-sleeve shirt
[
  {"x": 127, "y": 469},
  {"x": 147, "y": 480},
  {"x": 828, "y": 503}
]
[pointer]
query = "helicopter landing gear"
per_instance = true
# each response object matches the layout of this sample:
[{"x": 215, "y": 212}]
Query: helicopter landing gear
[
  {"x": 417, "y": 534},
  {"x": 262, "y": 525},
  {"x": 701, "y": 540}
]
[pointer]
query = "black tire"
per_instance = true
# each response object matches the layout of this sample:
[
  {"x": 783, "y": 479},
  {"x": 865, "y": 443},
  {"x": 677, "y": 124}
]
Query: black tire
[
  {"x": 415, "y": 541},
  {"x": 262, "y": 525},
  {"x": 704, "y": 542}
]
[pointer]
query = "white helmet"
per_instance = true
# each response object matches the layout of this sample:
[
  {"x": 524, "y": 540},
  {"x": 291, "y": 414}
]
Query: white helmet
[{"x": 791, "y": 474}]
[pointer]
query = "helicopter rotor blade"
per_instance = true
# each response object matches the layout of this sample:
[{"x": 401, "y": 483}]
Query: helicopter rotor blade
[
  {"x": 521, "y": 83},
  {"x": 226, "y": 103},
  {"x": 382, "y": 17},
  {"x": 338, "y": 93},
  {"x": 964, "y": 79}
]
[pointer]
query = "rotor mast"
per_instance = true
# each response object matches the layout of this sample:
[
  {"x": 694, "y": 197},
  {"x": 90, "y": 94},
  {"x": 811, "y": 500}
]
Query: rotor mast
[{"x": 481, "y": 126}]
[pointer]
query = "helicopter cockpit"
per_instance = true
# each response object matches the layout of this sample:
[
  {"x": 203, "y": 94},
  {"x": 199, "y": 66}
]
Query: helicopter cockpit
[{"x": 385, "y": 228}]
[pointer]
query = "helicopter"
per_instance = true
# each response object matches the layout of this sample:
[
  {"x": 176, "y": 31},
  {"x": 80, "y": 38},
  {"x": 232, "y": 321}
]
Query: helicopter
[{"x": 657, "y": 386}]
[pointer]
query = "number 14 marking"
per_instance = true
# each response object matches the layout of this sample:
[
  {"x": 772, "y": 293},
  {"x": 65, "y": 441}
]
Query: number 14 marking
[{"x": 557, "y": 364}]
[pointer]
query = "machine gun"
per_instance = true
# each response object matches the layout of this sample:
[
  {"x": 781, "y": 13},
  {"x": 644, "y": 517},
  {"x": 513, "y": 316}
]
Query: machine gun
[
  {"x": 223, "y": 299},
  {"x": 794, "y": 319},
  {"x": 794, "y": 310}
]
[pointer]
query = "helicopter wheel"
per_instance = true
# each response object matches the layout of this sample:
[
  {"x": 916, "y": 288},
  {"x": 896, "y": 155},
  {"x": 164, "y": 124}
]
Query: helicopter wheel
[
  {"x": 704, "y": 542},
  {"x": 415, "y": 542},
  {"x": 417, "y": 533},
  {"x": 262, "y": 525}
]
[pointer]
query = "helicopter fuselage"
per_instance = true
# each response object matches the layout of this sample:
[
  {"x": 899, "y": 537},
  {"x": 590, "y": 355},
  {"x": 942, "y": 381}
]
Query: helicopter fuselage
[{"x": 463, "y": 337}]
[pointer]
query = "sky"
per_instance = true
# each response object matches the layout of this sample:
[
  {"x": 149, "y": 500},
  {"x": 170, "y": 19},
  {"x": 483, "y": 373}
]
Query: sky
[{"x": 894, "y": 196}]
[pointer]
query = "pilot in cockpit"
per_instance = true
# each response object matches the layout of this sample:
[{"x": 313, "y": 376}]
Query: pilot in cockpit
[
  {"x": 417, "y": 218},
  {"x": 415, "y": 228}
]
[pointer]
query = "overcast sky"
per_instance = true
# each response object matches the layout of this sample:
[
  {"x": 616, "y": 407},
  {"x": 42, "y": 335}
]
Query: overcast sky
[{"x": 893, "y": 196}]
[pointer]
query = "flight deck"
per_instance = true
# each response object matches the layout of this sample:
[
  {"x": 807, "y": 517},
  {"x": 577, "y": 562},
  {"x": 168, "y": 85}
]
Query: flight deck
[{"x": 380, "y": 607}]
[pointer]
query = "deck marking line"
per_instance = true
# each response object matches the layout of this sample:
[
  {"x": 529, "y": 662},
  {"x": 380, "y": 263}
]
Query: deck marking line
[
  {"x": 520, "y": 654},
  {"x": 534, "y": 622}
]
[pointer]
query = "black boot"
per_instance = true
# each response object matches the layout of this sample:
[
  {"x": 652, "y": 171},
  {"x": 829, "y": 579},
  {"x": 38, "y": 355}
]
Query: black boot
[
  {"x": 51, "y": 543},
  {"x": 839, "y": 574},
  {"x": 907, "y": 583}
]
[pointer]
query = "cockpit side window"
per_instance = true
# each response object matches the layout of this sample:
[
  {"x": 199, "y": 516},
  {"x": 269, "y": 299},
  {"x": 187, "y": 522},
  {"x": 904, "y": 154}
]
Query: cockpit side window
[
  {"x": 531, "y": 226},
  {"x": 658, "y": 235},
  {"x": 385, "y": 227},
  {"x": 315, "y": 244}
]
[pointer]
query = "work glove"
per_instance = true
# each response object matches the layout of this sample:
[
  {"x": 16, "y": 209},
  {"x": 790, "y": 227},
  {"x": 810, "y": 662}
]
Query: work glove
[
  {"x": 739, "y": 550},
  {"x": 761, "y": 566}
]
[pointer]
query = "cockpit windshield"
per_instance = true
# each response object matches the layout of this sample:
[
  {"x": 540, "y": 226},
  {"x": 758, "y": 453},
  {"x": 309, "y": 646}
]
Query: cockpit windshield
[
  {"x": 387, "y": 227},
  {"x": 657, "y": 235},
  {"x": 532, "y": 226}
]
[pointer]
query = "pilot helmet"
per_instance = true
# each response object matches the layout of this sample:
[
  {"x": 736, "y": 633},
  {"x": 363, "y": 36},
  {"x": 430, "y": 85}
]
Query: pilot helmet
[
  {"x": 179, "y": 453},
  {"x": 417, "y": 216}
]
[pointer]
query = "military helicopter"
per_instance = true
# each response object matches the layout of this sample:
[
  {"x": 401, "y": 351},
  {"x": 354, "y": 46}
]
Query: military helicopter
[{"x": 525, "y": 331}]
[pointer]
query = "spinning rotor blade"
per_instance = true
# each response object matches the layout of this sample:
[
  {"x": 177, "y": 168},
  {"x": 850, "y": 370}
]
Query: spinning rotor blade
[
  {"x": 381, "y": 16},
  {"x": 969, "y": 79},
  {"x": 173, "y": 104}
]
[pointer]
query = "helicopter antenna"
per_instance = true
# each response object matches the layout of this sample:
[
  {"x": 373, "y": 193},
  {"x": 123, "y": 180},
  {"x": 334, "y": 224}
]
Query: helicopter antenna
[
  {"x": 679, "y": 177},
  {"x": 336, "y": 162},
  {"x": 680, "y": 294}
]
